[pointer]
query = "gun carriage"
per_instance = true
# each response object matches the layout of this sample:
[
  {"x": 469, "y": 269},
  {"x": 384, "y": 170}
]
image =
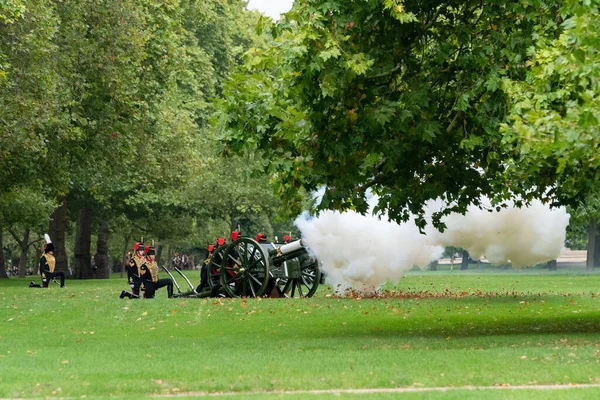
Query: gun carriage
[{"x": 247, "y": 268}]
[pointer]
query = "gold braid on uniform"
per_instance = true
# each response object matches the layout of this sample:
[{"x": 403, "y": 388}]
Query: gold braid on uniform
[
  {"x": 152, "y": 267},
  {"x": 139, "y": 261},
  {"x": 51, "y": 262}
]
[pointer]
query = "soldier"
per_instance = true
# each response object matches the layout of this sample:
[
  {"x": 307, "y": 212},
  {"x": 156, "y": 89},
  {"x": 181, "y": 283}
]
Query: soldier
[
  {"x": 150, "y": 276},
  {"x": 47, "y": 265},
  {"x": 134, "y": 272},
  {"x": 261, "y": 238},
  {"x": 204, "y": 269}
]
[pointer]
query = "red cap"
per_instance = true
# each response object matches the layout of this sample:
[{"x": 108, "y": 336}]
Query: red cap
[
  {"x": 234, "y": 235},
  {"x": 211, "y": 247},
  {"x": 136, "y": 246},
  {"x": 261, "y": 237},
  {"x": 287, "y": 238},
  {"x": 220, "y": 241},
  {"x": 146, "y": 249}
]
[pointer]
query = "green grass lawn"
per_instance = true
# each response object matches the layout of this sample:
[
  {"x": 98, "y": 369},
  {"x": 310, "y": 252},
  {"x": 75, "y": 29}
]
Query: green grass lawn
[{"x": 436, "y": 330}]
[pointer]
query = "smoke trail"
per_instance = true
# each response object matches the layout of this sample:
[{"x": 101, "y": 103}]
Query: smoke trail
[
  {"x": 521, "y": 236},
  {"x": 363, "y": 252}
]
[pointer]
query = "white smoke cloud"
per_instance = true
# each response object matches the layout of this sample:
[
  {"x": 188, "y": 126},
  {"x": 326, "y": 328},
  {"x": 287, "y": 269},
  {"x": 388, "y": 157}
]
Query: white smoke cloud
[
  {"x": 363, "y": 252},
  {"x": 522, "y": 236}
]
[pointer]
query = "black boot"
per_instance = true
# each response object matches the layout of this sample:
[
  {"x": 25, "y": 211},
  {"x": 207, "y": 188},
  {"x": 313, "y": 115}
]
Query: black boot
[{"x": 125, "y": 293}]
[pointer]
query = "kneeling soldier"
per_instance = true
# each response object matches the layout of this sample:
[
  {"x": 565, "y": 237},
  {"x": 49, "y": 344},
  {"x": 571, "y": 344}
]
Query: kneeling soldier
[
  {"x": 150, "y": 276},
  {"x": 47, "y": 265},
  {"x": 134, "y": 272}
]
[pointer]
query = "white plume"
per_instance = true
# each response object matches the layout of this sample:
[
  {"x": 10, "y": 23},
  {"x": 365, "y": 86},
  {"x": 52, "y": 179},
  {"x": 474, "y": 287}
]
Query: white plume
[
  {"x": 47, "y": 237},
  {"x": 363, "y": 252}
]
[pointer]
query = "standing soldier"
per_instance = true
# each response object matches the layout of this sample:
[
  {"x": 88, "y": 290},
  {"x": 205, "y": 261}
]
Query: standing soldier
[
  {"x": 150, "y": 276},
  {"x": 47, "y": 265},
  {"x": 206, "y": 266},
  {"x": 134, "y": 271}
]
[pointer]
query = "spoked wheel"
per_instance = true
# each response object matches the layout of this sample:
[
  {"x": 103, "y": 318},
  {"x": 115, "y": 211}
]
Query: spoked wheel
[
  {"x": 214, "y": 267},
  {"x": 303, "y": 277},
  {"x": 245, "y": 269}
]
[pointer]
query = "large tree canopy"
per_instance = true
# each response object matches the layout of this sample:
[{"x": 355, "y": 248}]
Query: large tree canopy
[
  {"x": 404, "y": 98},
  {"x": 103, "y": 111},
  {"x": 554, "y": 112}
]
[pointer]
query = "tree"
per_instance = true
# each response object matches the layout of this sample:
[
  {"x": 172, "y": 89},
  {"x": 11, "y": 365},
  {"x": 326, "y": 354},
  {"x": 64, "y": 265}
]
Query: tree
[
  {"x": 553, "y": 121},
  {"x": 21, "y": 210},
  {"x": 400, "y": 98}
]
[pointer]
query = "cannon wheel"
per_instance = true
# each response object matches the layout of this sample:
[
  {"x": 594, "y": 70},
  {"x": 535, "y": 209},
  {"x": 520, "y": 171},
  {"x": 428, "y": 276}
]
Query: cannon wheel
[
  {"x": 245, "y": 269},
  {"x": 308, "y": 282},
  {"x": 214, "y": 267}
]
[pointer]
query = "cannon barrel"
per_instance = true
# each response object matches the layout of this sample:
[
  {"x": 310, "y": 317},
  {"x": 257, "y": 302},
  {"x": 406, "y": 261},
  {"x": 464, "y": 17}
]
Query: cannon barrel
[
  {"x": 287, "y": 252},
  {"x": 290, "y": 247}
]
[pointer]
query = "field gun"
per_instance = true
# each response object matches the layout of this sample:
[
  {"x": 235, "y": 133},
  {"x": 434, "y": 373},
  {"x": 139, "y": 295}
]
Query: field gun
[{"x": 247, "y": 268}]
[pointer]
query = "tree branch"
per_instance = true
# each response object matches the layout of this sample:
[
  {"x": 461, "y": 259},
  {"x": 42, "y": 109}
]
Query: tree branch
[
  {"x": 31, "y": 243},
  {"x": 14, "y": 235},
  {"x": 381, "y": 75},
  {"x": 377, "y": 178},
  {"x": 455, "y": 121}
]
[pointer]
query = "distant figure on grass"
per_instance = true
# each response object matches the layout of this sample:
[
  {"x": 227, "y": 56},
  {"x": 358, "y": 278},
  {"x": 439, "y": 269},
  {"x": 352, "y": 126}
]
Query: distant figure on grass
[
  {"x": 150, "y": 276},
  {"x": 205, "y": 268},
  {"x": 134, "y": 271},
  {"x": 47, "y": 265}
]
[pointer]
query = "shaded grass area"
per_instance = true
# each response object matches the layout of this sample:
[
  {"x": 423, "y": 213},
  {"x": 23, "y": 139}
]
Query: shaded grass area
[{"x": 433, "y": 331}]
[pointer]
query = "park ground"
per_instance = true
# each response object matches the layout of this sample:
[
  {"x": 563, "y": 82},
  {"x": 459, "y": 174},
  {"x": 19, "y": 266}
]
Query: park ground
[{"x": 478, "y": 334}]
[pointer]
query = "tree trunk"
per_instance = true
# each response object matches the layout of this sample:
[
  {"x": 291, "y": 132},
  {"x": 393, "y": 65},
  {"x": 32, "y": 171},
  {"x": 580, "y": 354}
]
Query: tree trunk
[
  {"x": 465, "y": 260},
  {"x": 83, "y": 239},
  {"x": 101, "y": 256},
  {"x": 552, "y": 265},
  {"x": 24, "y": 245},
  {"x": 57, "y": 230},
  {"x": 125, "y": 258},
  {"x": 591, "y": 245},
  {"x": 38, "y": 255},
  {"x": 597, "y": 251},
  {"x": 3, "y": 274}
]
